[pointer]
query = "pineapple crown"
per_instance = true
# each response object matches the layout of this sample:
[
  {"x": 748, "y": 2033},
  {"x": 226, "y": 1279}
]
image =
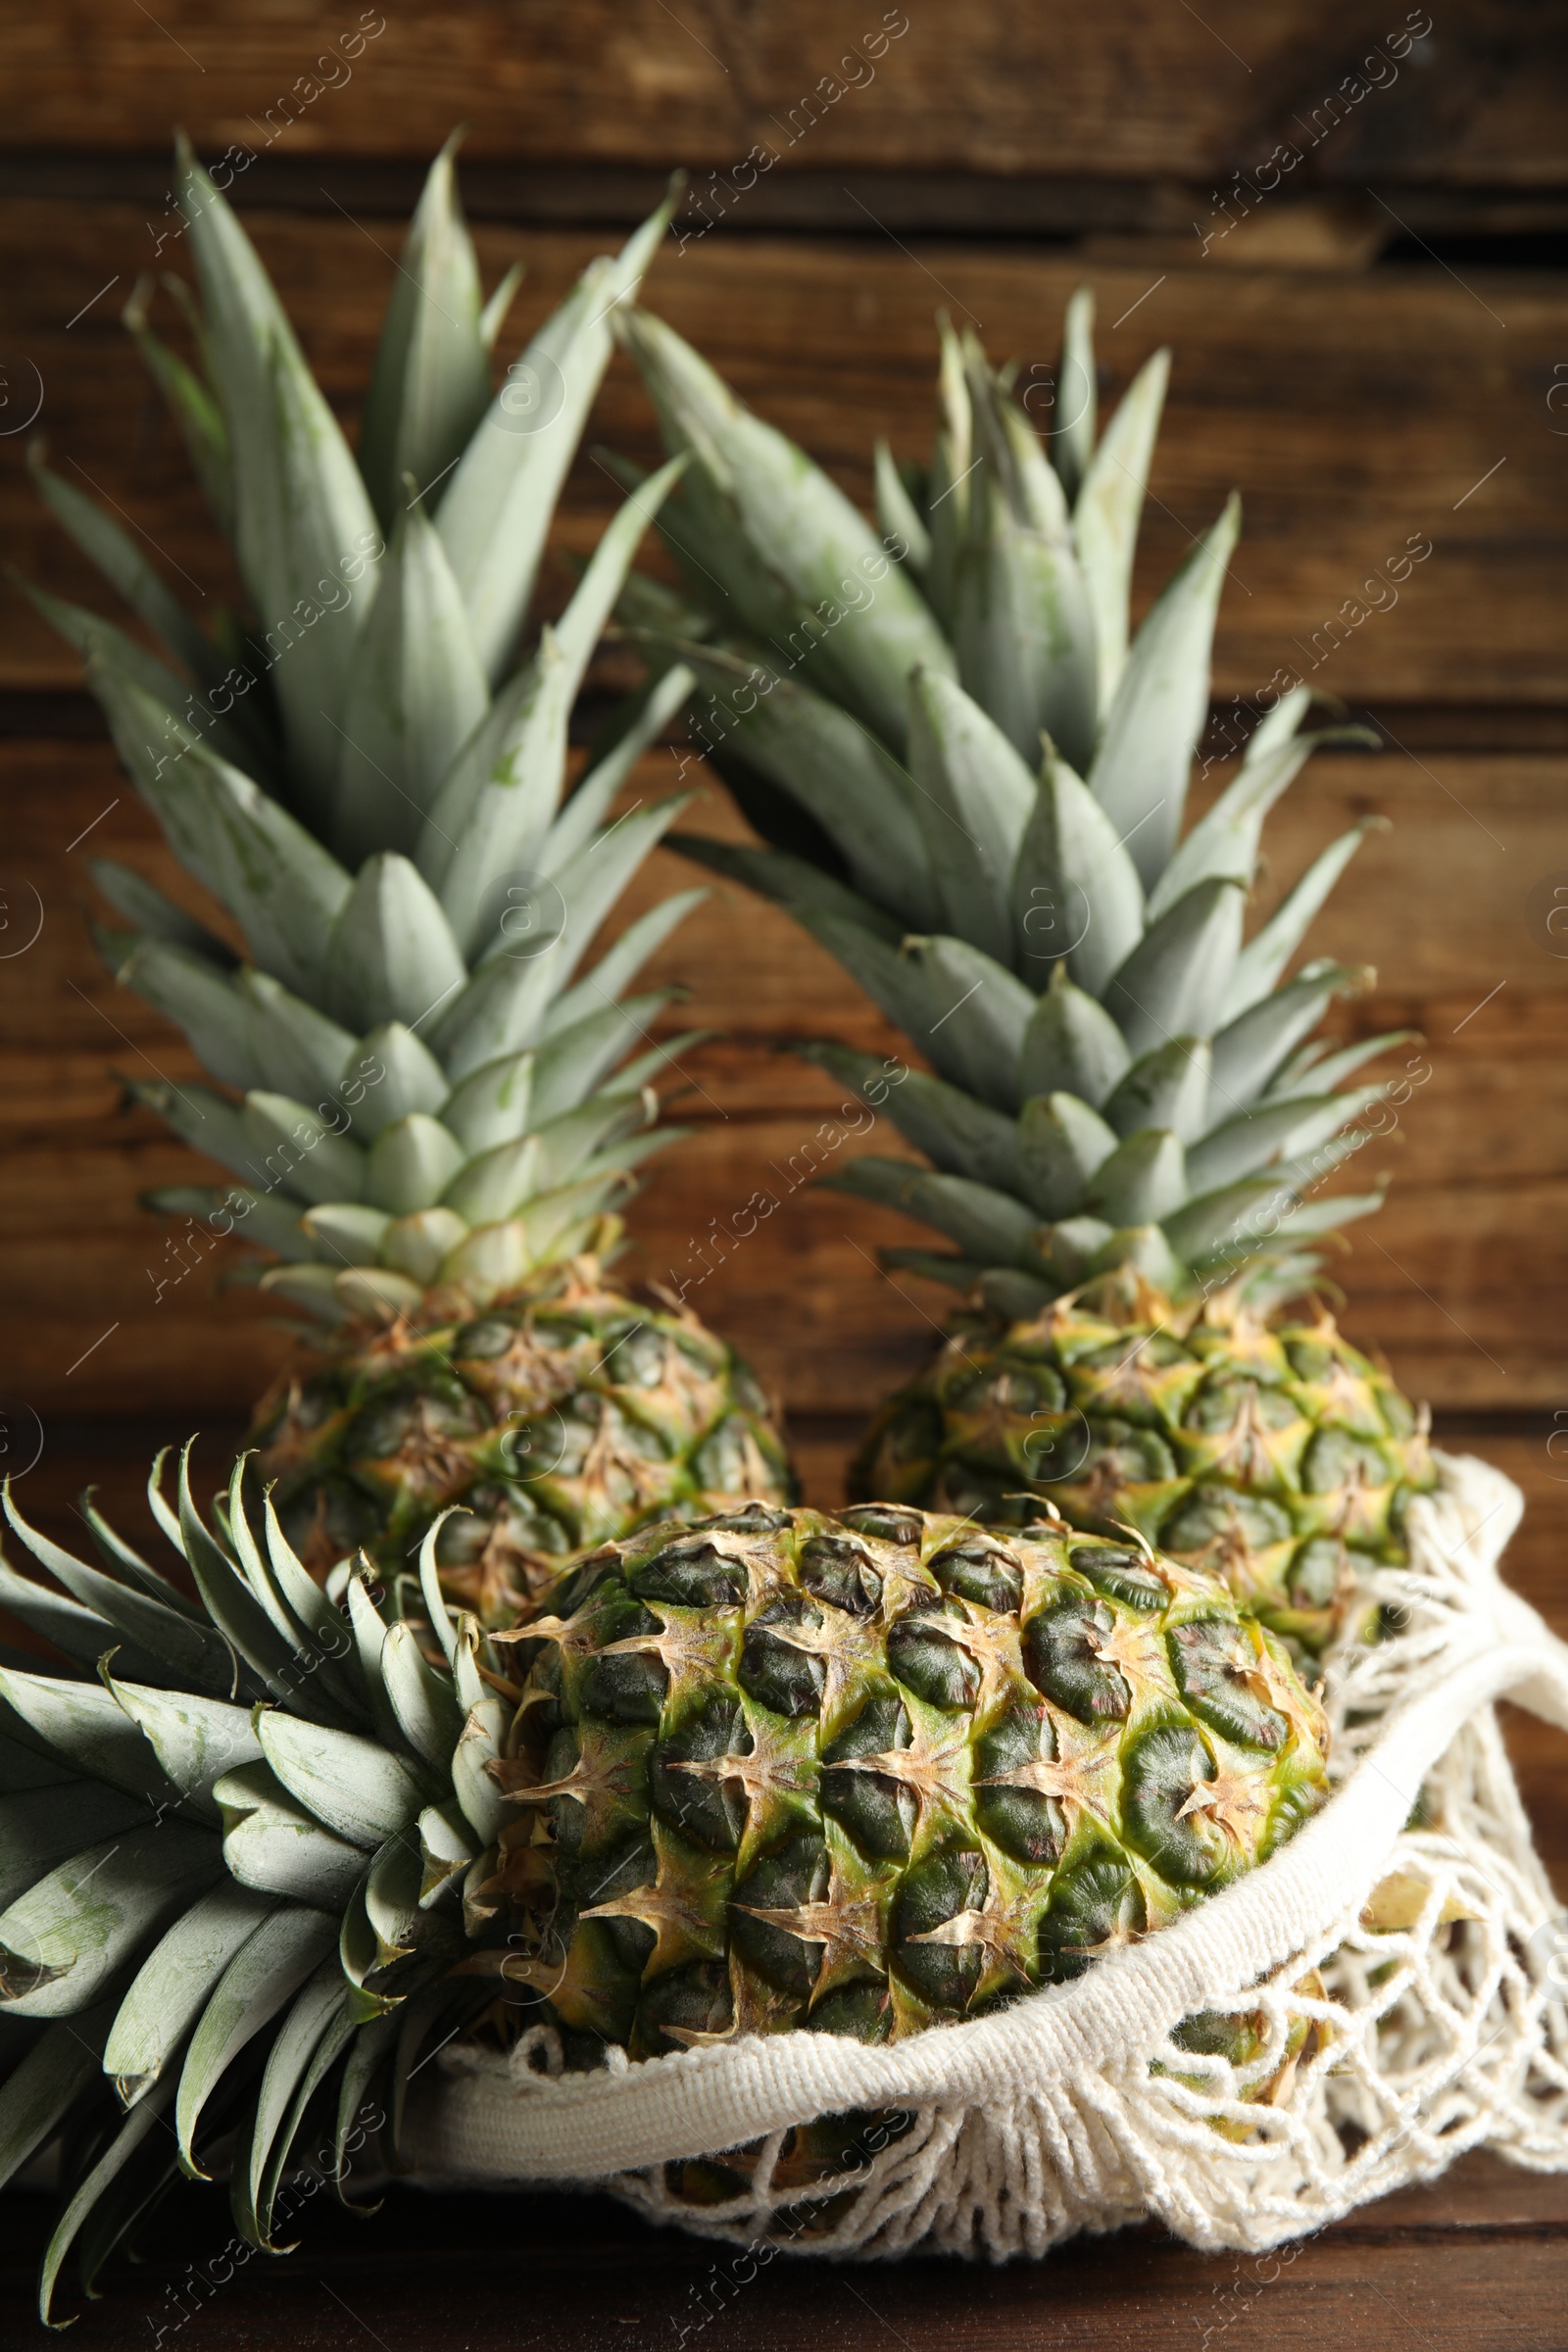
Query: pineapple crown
[
  {"x": 243, "y": 1840},
  {"x": 433, "y": 1088},
  {"x": 971, "y": 784}
]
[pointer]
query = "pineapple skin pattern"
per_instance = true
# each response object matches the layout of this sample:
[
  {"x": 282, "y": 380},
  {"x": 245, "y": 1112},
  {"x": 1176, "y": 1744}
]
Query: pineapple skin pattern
[
  {"x": 262, "y": 1849},
  {"x": 554, "y": 1420},
  {"x": 1274, "y": 1455},
  {"x": 877, "y": 1772}
]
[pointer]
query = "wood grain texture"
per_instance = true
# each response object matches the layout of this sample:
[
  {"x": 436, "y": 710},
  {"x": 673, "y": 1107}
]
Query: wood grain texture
[
  {"x": 1475, "y": 2262},
  {"x": 1355, "y": 415},
  {"x": 979, "y": 85},
  {"x": 1459, "y": 1279}
]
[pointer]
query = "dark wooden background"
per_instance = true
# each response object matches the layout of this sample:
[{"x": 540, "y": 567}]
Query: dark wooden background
[{"x": 1377, "y": 351}]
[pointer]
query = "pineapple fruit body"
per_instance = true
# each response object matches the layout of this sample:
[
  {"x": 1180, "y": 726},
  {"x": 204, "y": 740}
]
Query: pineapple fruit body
[
  {"x": 876, "y": 1773},
  {"x": 1272, "y": 1454},
  {"x": 556, "y": 1418}
]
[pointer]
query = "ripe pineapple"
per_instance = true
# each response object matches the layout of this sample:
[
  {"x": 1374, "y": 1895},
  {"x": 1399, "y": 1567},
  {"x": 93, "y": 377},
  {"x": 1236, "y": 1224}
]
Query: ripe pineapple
[
  {"x": 430, "y": 1106},
  {"x": 972, "y": 787},
  {"x": 560, "y": 1415},
  {"x": 860, "y": 1775},
  {"x": 878, "y": 1771}
]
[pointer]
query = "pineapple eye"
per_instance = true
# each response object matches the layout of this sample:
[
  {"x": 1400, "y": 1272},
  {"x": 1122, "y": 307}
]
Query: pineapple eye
[
  {"x": 695, "y": 1999},
  {"x": 1335, "y": 1460},
  {"x": 884, "y": 1524},
  {"x": 703, "y": 1803},
  {"x": 725, "y": 1460},
  {"x": 1218, "y": 1403},
  {"x": 839, "y": 1570},
  {"x": 859, "y": 2012},
  {"x": 1060, "y": 1655},
  {"x": 755, "y": 1519},
  {"x": 1316, "y": 1572},
  {"x": 491, "y": 1335},
  {"x": 601, "y": 1881},
  {"x": 1161, "y": 1773},
  {"x": 636, "y": 1360},
  {"x": 1095, "y": 1906},
  {"x": 1295, "y": 1803},
  {"x": 774, "y": 1670},
  {"x": 1124, "y": 1575},
  {"x": 878, "y": 1812},
  {"x": 928, "y": 1661},
  {"x": 690, "y": 1576},
  {"x": 981, "y": 1573},
  {"x": 1212, "y": 1679},
  {"x": 556, "y": 1329},
  {"x": 1222, "y": 2033},
  {"x": 781, "y": 1883},
  {"x": 1024, "y": 1822},
  {"x": 407, "y": 1416},
  {"x": 1213, "y": 1513},
  {"x": 628, "y": 1688},
  {"x": 935, "y": 1892}
]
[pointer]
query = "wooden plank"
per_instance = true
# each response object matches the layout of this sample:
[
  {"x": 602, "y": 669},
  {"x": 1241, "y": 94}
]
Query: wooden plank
[
  {"x": 1356, "y": 416},
  {"x": 1317, "y": 227},
  {"x": 1476, "y": 2263},
  {"x": 1458, "y": 1279},
  {"x": 986, "y": 86}
]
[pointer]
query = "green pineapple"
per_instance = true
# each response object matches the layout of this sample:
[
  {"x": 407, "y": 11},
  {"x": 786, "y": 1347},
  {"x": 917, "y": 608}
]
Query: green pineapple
[
  {"x": 429, "y": 1108},
  {"x": 862, "y": 1775},
  {"x": 971, "y": 785},
  {"x": 879, "y": 1772}
]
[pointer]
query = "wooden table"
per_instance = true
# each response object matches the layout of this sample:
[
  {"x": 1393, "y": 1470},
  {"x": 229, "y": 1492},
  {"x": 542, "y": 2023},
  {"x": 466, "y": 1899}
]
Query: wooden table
[{"x": 1478, "y": 2263}]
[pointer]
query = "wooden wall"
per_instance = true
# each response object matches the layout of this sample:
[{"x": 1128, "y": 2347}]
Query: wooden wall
[{"x": 1376, "y": 351}]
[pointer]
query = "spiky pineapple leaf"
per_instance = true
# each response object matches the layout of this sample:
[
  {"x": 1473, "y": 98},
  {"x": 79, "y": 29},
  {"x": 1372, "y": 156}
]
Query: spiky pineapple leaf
[
  {"x": 413, "y": 695},
  {"x": 1106, "y": 510},
  {"x": 496, "y": 507},
  {"x": 1161, "y": 705},
  {"x": 431, "y": 383}
]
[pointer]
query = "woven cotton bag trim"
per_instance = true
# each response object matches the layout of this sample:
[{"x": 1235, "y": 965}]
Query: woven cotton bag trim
[{"x": 1073, "y": 2109}]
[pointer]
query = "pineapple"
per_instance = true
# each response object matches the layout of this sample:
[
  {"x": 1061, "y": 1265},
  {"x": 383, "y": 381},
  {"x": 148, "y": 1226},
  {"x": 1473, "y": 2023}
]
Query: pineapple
[
  {"x": 864, "y": 1775},
  {"x": 971, "y": 785},
  {"x": 878, "y": 1771},
  {"x": 429, "y": 1110},
  {"x": 560, "y": 1415}
]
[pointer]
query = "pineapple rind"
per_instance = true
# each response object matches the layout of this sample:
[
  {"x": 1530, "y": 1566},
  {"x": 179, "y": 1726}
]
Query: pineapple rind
[
  {"x": 1276, "y": 1456},
  {"x": 552, "y": 1420},
  {"x": 920, "y": 1774}
]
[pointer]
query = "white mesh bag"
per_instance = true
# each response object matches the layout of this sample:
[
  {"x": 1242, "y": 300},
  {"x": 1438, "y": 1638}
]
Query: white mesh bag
[{"x": 1400, "y": 1962}]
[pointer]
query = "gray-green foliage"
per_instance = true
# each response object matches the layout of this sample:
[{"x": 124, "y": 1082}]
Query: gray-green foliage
[
  {"x": 368, "y": 780},
  {"x": 972, "y": 779},
  {"x": 229, "y": 1896}
]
